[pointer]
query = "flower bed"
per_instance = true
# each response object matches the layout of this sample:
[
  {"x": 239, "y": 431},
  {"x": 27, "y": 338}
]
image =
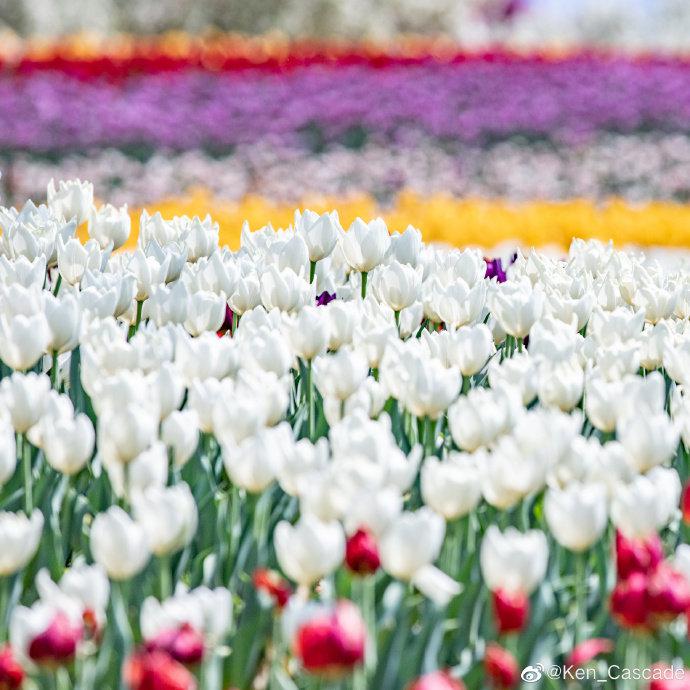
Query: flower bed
[{"x": 335, "y": 458}]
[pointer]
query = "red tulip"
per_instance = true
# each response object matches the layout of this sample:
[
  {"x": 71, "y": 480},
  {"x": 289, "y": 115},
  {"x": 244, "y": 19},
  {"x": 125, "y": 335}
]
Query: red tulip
[
  {"x": 57, "y": 644},
  {"x": 500, "y": 667},
  {"x": 665, "y": 677},
  {"x": 588, "y": 650},
  {"x": 184, "y": 644},
  {"x": 668, "y": 592},
  {"x": 270, "y": 584},
  {"x": 438, "y": 680},
  {"x": 11, "y": 673},
  {"x": 511, "y": 610},
  {"x": 637, "y": 555},
  {"x": 157, "y": 670},
  {"x": 630, "y": 602},
  {"x": 362, "y": 553},
  {"x": 332, "y": 643}
]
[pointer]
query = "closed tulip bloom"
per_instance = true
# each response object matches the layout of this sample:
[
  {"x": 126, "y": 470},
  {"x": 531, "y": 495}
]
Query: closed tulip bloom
[
  {"x": 365, "y": 244},
  {"x": 308, "y": 332},
  {"x": 319, "y": 232},
  {"x": 470, "y": 348},
  {"x": 19, "y": 540},
  {"x": 500, "y": 667},
  {"x": 642, "y": 507},
  {"x": 205, "y": 312},
  {"x": 436, "y": 680},
  {"x": 408, "y": 548},
  {"x": 126, "y": 431},
  {"x": 11, "y": 672},
  {"x": 247, "y": 294},
  {"x": 451, "y": 487},
  {"x": 253, "y": 463},
  {"x": 71, "y": 199},
  {"x": 23, "y": 339},
  {"x": 45, "y": 634},
  {"x": 362, "y": 553},
  {"x": 480, "y": 417},
  {"x": 516, "y": 307},
  {"x": 149, "y": 271},
  {"x": 630, "y": 602},
  {"x": 576, "y": 515},
  {"x": 397, "y": 284},
  {"x": 650, "y": 440},
  {"x": 510, "y": 609},
  {"x": 168, "y": 304},
  {"x": 637, "y": 555},
  {"x": 149, "y": 468},
  {"x": 169, "y": 517},
  {"x": 119, "y": 544},
  {"x": 340, "y": 374},
  {"x": 75, "y": 258},
  {"x": 406, "y": 247},
  {"x": 157, "y": 669},
  {"x": 344, "y": 316},
  {"x": 332, "y": 641},
  {"x": 284, "y": 290},
  {"x": 512, "y": 561},
  {"x": 272, "y": 587},
  {"x": 184, "y": 644},
  {"x": 518, "y": 372},
  {"x": 561, "y": 384},
  {"x": 8, "y": 451},
  {"x": 68, "y": 443},
  {"x": 109, "y": 224},
  {"x": 310, "y": 549},
  {"x": 180, "y": 433}
]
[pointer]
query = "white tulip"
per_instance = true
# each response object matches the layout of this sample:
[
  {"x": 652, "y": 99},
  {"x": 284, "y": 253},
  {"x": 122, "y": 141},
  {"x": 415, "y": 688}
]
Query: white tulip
[
  {"x": 72, "y": 199},
  {"x": 63, "y": 316},
  {"x": 75, "y": 258},
  {"x": 576, "y": 515},
  {"x": 205, "y": 312},
  {"x": 310, "y": 549},
  {"x": 517, "y": 306},
  {"x": 646, "y": 504},
  {"x": 518, "y": 372},
  {"x": 19, "y": 540},
  {"x": 365, "y": 244},
  {"x": 180, "y": 433},
  {"x": 24, "y": 396},
  {"x": 480, "y": 417},
  {"x": 8, "y": 451},
  {"x": 560, "y": 384},
  {"x": 408, "y": 548},
  {"x": 119, "y": 544},
  {"x": 109, "y": 224},
  {"x": 68, "y": 443},
  {"x": 254, "y": 462},
  {"x": 146, "y": 470},
  {"x": 319, "y": 232},
  {"x": 406, "y": 247},
  {"x": 513, "y": 561},
  {"x": 650, "y": 439},
  {"x": 340, "y": 374},
  {"x": 397, "y": 285},
  {"x": 168, "y": 304},
  {"x": 168, "y": 515},
  {"x": 308, "y": 332},
  {"x": 285, "y": 290},
  {"x": 23, "y": 339},
  {"x": 452, "y": 487}
]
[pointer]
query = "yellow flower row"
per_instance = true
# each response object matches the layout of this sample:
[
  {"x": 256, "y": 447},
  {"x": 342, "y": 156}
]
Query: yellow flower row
[{"x": 459, "y": 222}]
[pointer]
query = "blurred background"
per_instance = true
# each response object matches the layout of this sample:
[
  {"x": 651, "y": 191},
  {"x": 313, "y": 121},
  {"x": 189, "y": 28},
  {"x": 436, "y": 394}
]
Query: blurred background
[{"x": 479, "y": 121}]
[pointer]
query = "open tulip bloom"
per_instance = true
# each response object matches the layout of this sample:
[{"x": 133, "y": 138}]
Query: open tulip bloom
[{"x": 335, "y": 458}]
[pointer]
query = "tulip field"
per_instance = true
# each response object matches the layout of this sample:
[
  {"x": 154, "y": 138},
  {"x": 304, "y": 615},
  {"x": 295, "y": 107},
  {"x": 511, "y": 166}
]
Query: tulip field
[{"x": 334, "y": 366}]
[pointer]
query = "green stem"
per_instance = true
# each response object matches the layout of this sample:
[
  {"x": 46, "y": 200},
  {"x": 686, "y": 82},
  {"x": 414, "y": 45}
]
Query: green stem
[
  {"x": 235, "y": 322},
  {"x": 310, "y": 402},
  {"x": 397, "y": 319},
  {"x": 165, "y": 581},
  {"x": 429, "y": 440},
  {"x": 312, "y": 271},
  {"x": 365, "y": 275},
  {"x": 28, "y": 472},
  {"x": 4, "y": 605},
  {"x": 54, "y": 382},
  {"x": 580, "y": 596},
  {"x": 135, "y": 326},
  {"x": 58, "y": 283},
  {"x": 119, "y": 603}
]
